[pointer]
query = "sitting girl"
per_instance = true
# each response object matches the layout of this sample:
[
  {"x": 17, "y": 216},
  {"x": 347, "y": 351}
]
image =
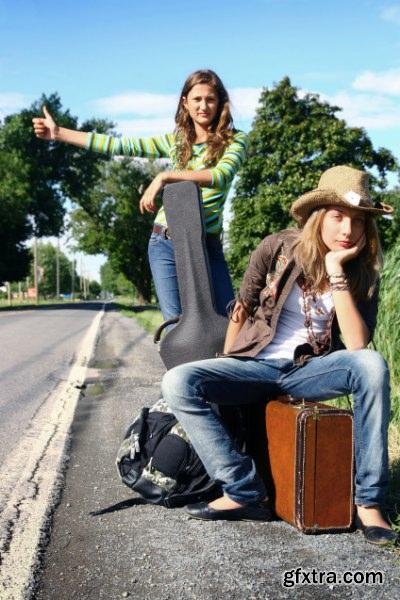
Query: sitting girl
[{"x": 304, "y": 316}]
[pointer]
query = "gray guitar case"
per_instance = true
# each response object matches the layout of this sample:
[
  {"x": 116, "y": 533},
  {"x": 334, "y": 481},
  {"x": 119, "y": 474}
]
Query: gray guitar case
[{"x": 200, "y": 330}]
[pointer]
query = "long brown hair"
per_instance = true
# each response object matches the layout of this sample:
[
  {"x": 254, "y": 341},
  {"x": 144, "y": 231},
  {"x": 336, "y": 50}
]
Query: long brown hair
[
  {"x": 310, "y": 251},
  {"x": 221, "y": 129}
]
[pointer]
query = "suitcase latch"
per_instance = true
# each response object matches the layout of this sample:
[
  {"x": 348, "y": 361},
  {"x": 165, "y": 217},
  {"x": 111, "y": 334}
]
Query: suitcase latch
[
  {"x": 316, "y": 415},
  {"x": 301, "y": 405}
]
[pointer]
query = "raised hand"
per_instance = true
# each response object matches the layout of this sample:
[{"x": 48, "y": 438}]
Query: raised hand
[{"x": 45, "y": 128}]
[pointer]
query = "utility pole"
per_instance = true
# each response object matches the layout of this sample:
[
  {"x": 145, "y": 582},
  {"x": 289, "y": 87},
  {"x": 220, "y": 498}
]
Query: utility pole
[
  {"x": 8, "y": 285},
  {"x": 84, "y": 281},
  {"x": 58, "y": 269},
  {"x": 73, "y": 278},
  {"x": 35, "y": 269}
]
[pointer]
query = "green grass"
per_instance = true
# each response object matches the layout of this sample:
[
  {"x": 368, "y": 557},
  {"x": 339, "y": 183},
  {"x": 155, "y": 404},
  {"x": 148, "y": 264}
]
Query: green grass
[
  {"x": 387, "y": 341},
  {"x": 387, "y": 334},
  {"x": 15, "y": 303},
  {"x": 148, "y": 317}
]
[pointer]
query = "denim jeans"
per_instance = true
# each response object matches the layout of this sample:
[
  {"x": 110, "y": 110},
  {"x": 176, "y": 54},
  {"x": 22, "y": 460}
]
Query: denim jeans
[
  {"x": 162, "y": 264},
  {"x": 189, "y": 389}
]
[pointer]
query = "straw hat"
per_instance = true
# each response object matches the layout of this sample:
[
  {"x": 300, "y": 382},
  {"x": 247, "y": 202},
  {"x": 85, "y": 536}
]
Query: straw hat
[{"x": 338, "y": 186}]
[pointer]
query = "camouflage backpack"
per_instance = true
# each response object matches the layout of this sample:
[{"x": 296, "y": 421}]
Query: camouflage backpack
[{"x": 157, "y": 460}]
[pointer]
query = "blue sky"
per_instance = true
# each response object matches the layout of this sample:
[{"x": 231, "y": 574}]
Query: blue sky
[{"x": 126, "y": 60}]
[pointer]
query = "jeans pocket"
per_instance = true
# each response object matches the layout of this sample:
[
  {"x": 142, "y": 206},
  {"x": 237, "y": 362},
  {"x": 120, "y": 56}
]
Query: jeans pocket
[{"x": 154, "y": 238}]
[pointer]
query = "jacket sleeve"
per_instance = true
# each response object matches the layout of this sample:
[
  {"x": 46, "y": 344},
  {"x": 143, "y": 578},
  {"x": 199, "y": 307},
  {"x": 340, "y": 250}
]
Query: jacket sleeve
[
  {"x": 150, "y": 147},
  {"x": 254, "y": 279},
  {"x": 229, "y": 163}
]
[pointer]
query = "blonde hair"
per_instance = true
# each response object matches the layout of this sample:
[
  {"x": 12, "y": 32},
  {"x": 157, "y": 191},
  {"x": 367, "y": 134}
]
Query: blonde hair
[
  {"x": 310, "y": 251},
  {"x": 221, "y": 129}
]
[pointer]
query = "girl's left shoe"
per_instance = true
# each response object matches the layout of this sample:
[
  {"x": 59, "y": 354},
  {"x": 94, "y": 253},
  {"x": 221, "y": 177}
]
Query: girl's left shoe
[{"x": 380, "y": 536}]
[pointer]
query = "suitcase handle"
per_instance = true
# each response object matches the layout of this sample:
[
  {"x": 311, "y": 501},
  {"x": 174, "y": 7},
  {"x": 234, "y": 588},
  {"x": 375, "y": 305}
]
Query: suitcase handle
[{"x": 296, "y": 402}]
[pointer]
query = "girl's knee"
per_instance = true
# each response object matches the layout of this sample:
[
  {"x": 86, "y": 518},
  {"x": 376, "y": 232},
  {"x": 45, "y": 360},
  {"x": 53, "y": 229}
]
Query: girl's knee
[
  {"x": 371, "y": 365},
  {"x": 174, "y": 383}
]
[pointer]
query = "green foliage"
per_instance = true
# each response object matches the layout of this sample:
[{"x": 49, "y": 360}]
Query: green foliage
[
  {"x": 40, "y": 176},
  {"x": 47, "y": 266},
  {"x": 15, "y": 227},
  {"x": 389, "y": 230},
  {"x": 387, "y": 335},
  {"x": 150, "y": 319},
  {"x": 94, "y": 289},
  {"x": 114, "y": 282},
  {"x": 293, "y": 140},
  {"x": 110, "y": 222}
]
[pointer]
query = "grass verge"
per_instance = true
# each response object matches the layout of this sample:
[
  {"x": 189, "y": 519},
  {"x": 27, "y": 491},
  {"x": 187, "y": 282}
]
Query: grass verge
[
  {"x": 17, "y": 304},
  {"x": 149, "y": 317}
]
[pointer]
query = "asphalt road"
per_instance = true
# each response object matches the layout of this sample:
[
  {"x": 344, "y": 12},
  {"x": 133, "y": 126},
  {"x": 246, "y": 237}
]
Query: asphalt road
[
  {"x": 148, "y": 552},
  {"x": 36, "y": 351}
]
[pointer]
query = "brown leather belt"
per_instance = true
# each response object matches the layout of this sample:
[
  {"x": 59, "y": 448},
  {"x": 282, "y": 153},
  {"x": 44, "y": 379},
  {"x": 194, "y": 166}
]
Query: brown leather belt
[{"x": 164, "y": 232}]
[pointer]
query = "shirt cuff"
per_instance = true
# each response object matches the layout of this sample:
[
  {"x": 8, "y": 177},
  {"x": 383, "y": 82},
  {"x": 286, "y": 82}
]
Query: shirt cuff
[{"x": 89, "y": 141}]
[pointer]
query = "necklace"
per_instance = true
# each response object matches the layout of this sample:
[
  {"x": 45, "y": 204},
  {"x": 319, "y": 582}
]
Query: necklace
[{"x": 318, "y": 341}]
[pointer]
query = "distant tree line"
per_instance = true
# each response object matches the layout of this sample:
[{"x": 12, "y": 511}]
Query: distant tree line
[{"x": 51, "y": 260}]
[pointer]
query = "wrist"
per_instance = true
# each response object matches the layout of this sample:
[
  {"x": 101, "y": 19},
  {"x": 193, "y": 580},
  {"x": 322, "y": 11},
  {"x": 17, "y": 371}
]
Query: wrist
[
  {"x": 338, "y": 282},
  {"x": 57, "y": 134},
  {"x": 163, "y": 177},
  {"x": 334, "y": 268},
  {"x": 335, "y": 272}
]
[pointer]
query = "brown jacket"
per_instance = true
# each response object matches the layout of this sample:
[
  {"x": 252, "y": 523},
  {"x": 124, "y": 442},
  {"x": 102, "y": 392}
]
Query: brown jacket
[{"x": 266, "y": 285}]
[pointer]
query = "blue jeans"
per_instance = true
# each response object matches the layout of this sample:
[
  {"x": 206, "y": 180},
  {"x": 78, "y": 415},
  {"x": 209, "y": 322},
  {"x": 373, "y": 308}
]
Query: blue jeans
[
  {"x": 189, "y": 389},
  {"x": 162, "y": 264}
]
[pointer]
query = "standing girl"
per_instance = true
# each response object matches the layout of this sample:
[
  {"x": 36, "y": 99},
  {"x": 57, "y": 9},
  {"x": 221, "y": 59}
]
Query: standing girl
[{"x": 204, "y": 148}]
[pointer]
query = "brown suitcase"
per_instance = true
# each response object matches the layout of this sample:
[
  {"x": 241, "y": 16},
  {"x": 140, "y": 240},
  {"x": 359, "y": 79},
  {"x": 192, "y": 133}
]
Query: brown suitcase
[{"x": 310, "y": 448}]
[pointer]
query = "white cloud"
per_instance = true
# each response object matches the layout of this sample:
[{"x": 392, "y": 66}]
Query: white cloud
[
  {"x": 11, "y": 102},
  {"x": 138, "y": 103},
  {"x": 244, "y": 102},
  {"x": 366, "y": 110},
  {"x": 385, "y": 82},
  {"x": 392, "y": 14},
  {"x": 145, "y": 127}
]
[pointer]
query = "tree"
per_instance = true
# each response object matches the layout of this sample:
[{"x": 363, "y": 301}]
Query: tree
[
  {"x": 389, "y": 229},
  {"x": 15, "y": 227},
  {"x": 47, "y": 263},
  {"x": 115, "y": 283},
  {"x": 42, "y": 176},
  {"x": 112, "y": 223},
  {"x": 294, "y": 139},
  {"x": 94, "y": 289}
]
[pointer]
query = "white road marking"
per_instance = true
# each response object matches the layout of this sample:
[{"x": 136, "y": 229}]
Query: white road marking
[{"x": 29, "y": 477}]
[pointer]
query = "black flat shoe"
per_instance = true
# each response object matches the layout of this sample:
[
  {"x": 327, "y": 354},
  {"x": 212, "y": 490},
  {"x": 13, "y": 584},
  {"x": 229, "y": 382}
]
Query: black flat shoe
[
  {"x": 248, "y": 512},
  {"x": 380, "y": 536}
]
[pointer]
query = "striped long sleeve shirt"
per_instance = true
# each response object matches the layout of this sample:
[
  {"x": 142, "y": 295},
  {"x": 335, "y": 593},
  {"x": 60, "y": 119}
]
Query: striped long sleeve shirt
[{"x": 164, "y": 146}]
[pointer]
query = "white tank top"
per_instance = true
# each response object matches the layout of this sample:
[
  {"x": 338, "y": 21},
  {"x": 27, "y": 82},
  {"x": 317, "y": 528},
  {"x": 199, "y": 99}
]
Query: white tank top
[{"x": 291, "y": 331}]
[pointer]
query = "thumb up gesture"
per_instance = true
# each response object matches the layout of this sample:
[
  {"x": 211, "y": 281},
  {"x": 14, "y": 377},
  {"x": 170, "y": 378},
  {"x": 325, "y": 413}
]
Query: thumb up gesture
[{"x": 45, "y": 128}]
